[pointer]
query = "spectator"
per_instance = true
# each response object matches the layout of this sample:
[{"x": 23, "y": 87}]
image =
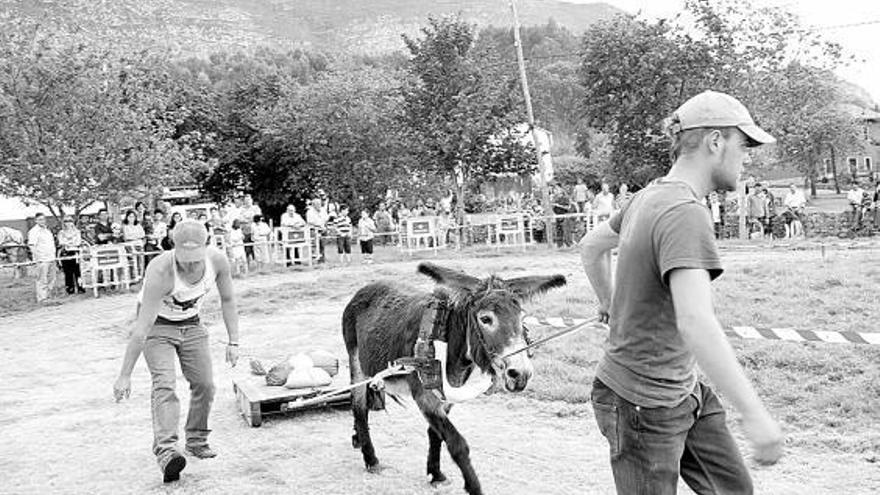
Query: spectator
[
  {"x": 160, "y": 228},
  {"x": 69, "y": 243},
  {"x": 876, "y": 200},
  {"x": 366, "y": 232},
  {"x": 715, "y": 209},
  {"x": 623, "y": 196},
  {"x": 757, "y": 209},
  {"x": 248, "y": 211},
  {"x": 342, "y": 227},
  {"x": 168, "y": 241},
  {"x": 133, "y": 234},
  {"x": 42, "y": 245},
  {"x": 562, "y": 205},
  {"x": 769, "y": 211},
  {"x": 103, "y": 228},
  {"x": 581, "y": 195},
  {"x": 854, "y": 196},
  {"x": 430, "y": 210},
  {"x": 132, "y": 231},
  {"x": 603, "y": 203},
  {"x": 261, "y": 234},
  {"x": 291, "y": 219},
  {"x": 317, "y": 220},
  {"x": 384, "y": 223},
  {"x": 235, "y": 249},
  {"x": 140, "y": 208},
  {"x": 233, "y": 211}
]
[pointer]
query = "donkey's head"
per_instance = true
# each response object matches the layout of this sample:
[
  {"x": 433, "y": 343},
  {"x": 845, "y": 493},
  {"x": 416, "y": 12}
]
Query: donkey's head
[{"x": 492, "y": 310}]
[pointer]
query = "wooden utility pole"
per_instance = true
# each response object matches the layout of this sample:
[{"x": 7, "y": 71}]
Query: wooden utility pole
[{"x": 549, "y": 224}]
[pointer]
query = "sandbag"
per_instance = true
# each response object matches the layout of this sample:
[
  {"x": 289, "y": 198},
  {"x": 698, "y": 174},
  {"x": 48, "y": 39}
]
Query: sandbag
[
  {"x": 279, "y": 373},
  {"x": 308, "y": 378},
  {"x": 326, "y": 361}
]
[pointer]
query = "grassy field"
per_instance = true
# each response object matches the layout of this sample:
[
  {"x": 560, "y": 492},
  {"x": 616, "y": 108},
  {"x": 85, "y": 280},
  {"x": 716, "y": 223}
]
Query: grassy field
[{"x": 826, "y": 395}]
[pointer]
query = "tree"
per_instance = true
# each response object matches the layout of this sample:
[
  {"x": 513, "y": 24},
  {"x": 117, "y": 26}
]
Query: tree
[
  {"x": 635, "y": 74},
  {"x": 81, "y": 121},
  {"x": 459, "y": 109},
  {"x": 809, "y": 122},
  {"x": 337, "y": 134}
]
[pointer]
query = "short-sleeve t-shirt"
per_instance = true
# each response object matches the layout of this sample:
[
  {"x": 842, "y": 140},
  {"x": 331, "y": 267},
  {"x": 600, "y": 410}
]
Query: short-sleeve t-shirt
[{"x": 664, "y": 227}]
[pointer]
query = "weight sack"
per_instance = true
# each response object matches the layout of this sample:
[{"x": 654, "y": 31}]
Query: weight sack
[
  {"x": 308, "y": 378},
  {"x": 326, "y": 361},
  {"x": 278, "y": 374}
]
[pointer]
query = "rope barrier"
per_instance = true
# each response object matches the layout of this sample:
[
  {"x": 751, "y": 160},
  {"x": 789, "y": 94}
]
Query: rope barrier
[{"x": 746, "y": 332}]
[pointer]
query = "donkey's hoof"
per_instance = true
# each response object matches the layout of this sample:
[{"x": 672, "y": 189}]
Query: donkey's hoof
[
  {"x": 375, "y": 468},
  {"x": 438, "y": 479}
]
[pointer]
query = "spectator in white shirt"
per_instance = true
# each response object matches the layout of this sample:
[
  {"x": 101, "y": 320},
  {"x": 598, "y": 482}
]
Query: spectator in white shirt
[
  {"x": 854, "y": 196},
  {"x": 603, "y": 204},
  {"x": 317, "y": 220},
  {"x": 795, "y": 199},
  {"x": 42, "y": 245},
  {"x": 291, "y": 219}
]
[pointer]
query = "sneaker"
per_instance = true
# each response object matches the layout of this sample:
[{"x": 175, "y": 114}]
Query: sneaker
[
  {"x": 201, "y": 451},
  {"x": 172, "y": 467}
]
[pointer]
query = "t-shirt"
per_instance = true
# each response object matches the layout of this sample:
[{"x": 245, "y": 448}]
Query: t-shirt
[
  {"x": 603, "y": 204},
  {"x": 664, "y": 227},
  {"x": 366, "y": 229},
  {"x": 342, "y": 225},
  {"x": 581, "y": 193}
]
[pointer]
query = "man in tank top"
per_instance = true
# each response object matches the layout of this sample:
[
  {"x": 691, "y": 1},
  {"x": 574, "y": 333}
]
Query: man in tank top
[{"x": 168, "y": 325}]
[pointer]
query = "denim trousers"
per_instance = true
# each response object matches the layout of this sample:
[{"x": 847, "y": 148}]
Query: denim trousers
[
  {"x": 189, "y": 343},
  {"x": 651, "y": 447}
]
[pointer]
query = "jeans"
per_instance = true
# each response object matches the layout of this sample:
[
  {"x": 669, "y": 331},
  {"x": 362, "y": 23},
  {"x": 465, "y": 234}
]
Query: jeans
[
  {"x": 190, "y": 344},
  {"x": 651, "y": 447}
]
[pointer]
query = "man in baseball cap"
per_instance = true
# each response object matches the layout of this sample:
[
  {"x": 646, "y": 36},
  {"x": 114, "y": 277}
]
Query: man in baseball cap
[
  {"x": 713, "y": 109},
  {"x": 190, "y": 241},
  {"x": 168, "y": 327},
  {"x": 662, "y": 320}
]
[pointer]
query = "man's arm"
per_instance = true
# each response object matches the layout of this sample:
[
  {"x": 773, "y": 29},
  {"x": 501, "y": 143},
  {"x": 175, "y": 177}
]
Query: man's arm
[
  {"x": 695, "y": 317},
  {"x": 595, "y": 248},
  {"x": 155, "y": 288},
  {"x": 227, "y": 305}
]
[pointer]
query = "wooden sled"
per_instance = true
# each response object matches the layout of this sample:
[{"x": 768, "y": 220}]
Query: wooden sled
[{"x": 256, "y": 399}]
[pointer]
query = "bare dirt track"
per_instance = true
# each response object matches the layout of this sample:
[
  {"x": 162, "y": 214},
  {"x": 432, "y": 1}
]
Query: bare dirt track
[{"x": 62, "y": 432}]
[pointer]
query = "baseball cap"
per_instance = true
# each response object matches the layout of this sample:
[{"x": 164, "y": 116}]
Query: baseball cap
[
  {"x": 190, "y": 239},
  {"x": 714, "y": 109}
]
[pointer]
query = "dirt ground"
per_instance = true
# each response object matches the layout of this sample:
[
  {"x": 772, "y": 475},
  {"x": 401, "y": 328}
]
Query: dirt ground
[{"x": 63, "y": 433}]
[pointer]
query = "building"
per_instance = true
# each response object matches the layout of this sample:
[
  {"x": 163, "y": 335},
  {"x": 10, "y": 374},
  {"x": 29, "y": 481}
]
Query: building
[{"x": 864, "y": 163}]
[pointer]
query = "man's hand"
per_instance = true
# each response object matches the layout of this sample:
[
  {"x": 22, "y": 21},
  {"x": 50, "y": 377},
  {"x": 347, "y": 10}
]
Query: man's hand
[
  {"x": 765, "y": 437},
  {"x": 232, "y": 355},
  {"x": 604, "y": 315},
  {"x": 122, "y": 388}
]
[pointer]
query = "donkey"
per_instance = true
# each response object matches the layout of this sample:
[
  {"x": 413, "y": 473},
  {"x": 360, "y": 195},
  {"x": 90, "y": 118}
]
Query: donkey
[{"x": 483, "y": 323}]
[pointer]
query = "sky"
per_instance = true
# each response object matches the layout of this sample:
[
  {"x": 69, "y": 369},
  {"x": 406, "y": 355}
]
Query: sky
[{"x": 829, "y": 16}]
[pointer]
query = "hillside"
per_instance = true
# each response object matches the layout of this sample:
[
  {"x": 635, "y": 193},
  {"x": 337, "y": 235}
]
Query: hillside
[{"x": 368, "y": 26}]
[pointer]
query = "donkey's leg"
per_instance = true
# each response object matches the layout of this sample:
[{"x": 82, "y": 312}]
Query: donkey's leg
[
  {"x": 436, "y": 413},
  {"x": 361, "y": 410},
  {"x": 434, "y": 444}
]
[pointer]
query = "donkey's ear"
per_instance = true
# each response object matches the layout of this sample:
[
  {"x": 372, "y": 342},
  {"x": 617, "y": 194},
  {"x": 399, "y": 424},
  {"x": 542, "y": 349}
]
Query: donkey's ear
[
  {"x": 526, "y": 287},
  {"x": 453, "y": 279}
]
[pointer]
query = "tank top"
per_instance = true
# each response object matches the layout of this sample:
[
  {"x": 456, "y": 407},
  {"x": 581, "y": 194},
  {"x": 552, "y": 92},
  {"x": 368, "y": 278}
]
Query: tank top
[{"x": 182, "y": 305}]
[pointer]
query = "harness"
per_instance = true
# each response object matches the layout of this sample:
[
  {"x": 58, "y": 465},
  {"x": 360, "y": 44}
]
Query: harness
[{"x": 424, "y": 361}]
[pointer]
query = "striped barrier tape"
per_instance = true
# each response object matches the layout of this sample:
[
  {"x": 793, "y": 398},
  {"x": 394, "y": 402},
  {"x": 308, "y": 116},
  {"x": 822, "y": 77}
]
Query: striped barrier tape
[{"x": 789, "y": 334}]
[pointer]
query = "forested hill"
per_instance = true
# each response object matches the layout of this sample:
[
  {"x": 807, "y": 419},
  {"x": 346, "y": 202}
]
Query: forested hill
[{"x": 369, "y": 26}]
